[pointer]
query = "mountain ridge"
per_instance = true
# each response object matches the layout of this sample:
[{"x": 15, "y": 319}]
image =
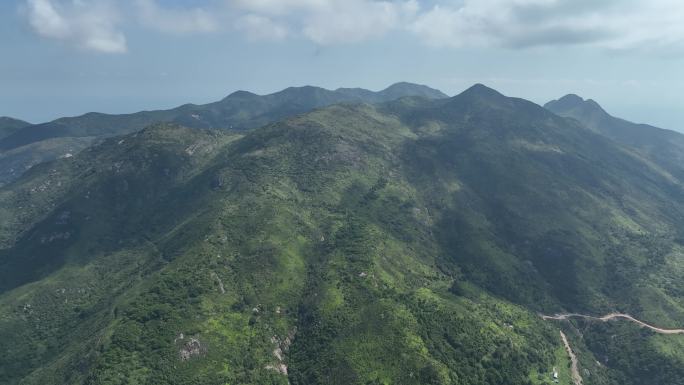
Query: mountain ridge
[
  {"x": 413, "y": 241},
  {"x": 662, "y": 146},
  {"x": 241, "y": 110},
  {"x": 394, "y": 91}
]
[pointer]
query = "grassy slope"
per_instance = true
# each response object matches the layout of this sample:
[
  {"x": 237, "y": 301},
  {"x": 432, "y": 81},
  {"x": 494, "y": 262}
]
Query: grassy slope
[{"x": 411, "y": 243}]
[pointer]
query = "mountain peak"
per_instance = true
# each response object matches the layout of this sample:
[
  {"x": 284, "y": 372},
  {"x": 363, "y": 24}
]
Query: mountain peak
[
  {"x": 571, "y": 99},
  {"x": 480, "y": 90},
  {"x": 576, "y": 103},
  {"x": 406, "y": 88},
  {"x": 479, "y": 93},
  {"x": 302, "y": 88},
  {"x": 240, "y": 94},
  {"x": 483, "y": 99}
]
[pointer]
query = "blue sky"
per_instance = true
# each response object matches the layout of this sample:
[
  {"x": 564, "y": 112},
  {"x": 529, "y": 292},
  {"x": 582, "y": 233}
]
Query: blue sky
[{"x": 68, "y": 57}]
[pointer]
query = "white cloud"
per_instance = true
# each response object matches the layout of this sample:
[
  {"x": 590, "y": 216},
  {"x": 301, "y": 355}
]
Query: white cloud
[
  {"x": 334, "y": 21},
  {"x": 281, "y": 7},
  {"x": 353, "y": 21},
  {"x": 607, "y": 24},
  {"x": 612, "y": 24},
  {"x": 85, "y": 24},
  {"x": 176, "y": 20},
  {"x": 261, "y": 28},
  {"x": 46, "y": 21}
]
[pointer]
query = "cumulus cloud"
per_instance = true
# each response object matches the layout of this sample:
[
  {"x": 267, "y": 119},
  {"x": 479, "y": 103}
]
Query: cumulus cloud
[
  {"x": 353, "y": 21},
  {"x": 87, "y": 25},
  {"x": 609, "y": 24},
  {"x": 176, "y": 20},
  {"x": 614, "y": 24},
  {"x": 335, "y": 21}
]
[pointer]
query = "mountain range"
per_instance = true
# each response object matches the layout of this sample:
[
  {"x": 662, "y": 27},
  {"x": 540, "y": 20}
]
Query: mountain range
[
  {"x": 411, "y": 240},
  {"x": 23, "y": 145}
]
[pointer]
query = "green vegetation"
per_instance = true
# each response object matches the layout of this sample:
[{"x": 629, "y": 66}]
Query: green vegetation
[
  {"x": 635, "y": 355},
  {"x": 664, "y": 148},
  {"x": 23, "y": 145},
  {"x": 413, "y": 242}
]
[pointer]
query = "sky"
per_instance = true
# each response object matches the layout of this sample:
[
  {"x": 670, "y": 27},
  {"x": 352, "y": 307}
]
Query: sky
[{"x": 67, "y": 57}]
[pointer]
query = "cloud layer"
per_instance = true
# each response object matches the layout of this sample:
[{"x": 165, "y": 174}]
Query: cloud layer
[
  {"x": 333, "y": 21},
  {"x": 610, "y": 24},
  {"x": 90, "y": 25},
  {"x": 613, "y": 24}
]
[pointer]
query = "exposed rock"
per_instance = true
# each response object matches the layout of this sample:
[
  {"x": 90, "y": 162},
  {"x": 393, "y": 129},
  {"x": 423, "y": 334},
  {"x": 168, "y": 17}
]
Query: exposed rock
[
  {"x": 180, "y": 337},
  {"x": 192, "y": 348},
  {"x": 220, "y": 282},
  {"x": 282, "y": 368},
  {"x": 279, "y": 352}
]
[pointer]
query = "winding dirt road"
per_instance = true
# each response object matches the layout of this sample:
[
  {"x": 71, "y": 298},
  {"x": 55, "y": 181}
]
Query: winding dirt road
[
  {"x": 576, "y": 377},
  {"x": 613, "y": 316},
  {"x": 574, "y": 368}
]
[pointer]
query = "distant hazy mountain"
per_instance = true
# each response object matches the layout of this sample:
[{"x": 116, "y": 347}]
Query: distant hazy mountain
[
  {"x": 665, "y": 147},
  {"x": 8, "y": 126},
  {"x": 238, "y": 111},
  {"x": 410, "y": 242},
  {"x": 22, "y": 148}
]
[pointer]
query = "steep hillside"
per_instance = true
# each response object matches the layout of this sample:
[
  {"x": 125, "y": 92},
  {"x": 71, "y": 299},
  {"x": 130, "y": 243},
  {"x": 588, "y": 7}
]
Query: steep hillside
[
  {"x": 414, "y": 242},
  {"x": 20, "y": 149},
  {"x": 664, "y": 147}
]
